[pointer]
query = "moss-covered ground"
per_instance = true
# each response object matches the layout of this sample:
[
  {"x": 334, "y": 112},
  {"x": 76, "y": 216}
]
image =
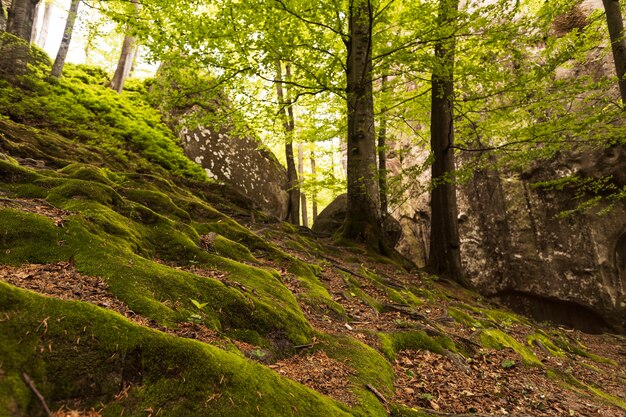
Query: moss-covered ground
[{"x": 96, "y": 181}]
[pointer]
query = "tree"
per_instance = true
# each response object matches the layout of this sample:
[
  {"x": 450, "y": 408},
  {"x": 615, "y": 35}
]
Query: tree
[
  {"x": 3, "y": 18},
  {"x": 445, "y": 247},
  {"x": 615, "y": 24},
  {"x": 59, "y": 62},
  {"x": 21, "y": 18},
  {"x": 286, "y": 112},
  {"x": 363, "y": 217},
  {"x": 127, "y": 55},
  {"x": 303, "y": 205},
  {"x": 42, "y": 36}
]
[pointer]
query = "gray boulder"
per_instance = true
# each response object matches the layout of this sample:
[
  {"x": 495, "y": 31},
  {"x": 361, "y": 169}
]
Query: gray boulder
[
  {"x": 332, "y": 217},
  {"x": 240, "y": 162}
]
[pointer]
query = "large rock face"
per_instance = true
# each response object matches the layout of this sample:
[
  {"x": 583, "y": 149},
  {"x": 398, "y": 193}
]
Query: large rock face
[
  {"x": 240, "y": 162},
  {"x": 517, "y": 247}
]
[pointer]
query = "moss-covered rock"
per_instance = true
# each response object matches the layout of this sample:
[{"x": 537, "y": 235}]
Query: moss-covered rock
[{"x": 76, "y": 350}]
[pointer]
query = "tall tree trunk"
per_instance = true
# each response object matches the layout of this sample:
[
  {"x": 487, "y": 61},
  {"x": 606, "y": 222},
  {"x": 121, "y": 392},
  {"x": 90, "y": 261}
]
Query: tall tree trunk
[
  {"x": 42, "y": 38},
  {"x": 126, "y": 56},
  {"x": 59, "y": 62},
  {"x": 382, "y": 157},
  {"x": 21, "y": 17},
  {"x": 286, "y": 113},
  {"x": 314, "y": 190},
  {"x": 444, "y": 254},
  {"x": 3, "y": 18},
  {"x": 34, "y": 31},
  {"x": 615, "y": 24},
  {"x": 305, "y": 212},
  {"x": 363, "y": 218}
]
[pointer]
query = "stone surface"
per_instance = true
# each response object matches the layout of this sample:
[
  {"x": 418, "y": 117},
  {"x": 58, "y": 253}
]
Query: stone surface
[
  {"x": 332, "y": 217},
  {"x": 240, "y": 162},
  {"x": 516, "y": 246}
]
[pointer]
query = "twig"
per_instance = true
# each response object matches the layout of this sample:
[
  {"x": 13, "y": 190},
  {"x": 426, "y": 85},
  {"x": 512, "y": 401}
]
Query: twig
[
  {"x": 31, "y": 385},
  {"x": 377, "y": 393}
]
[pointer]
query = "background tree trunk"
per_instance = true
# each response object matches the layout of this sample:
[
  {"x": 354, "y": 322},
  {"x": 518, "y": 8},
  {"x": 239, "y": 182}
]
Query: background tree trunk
[
  {"x": 615, "y": 24},
  {"x": 444, "y": 252},
  {"x": 314, "y": 192},
  {"x": 286, "y": 112},
  {"x": 363, "y": 219},
  {"x": 305, "y": 213},
  {"x": 127, "y": 56},
  {"x": 382, "y": 157},
  {"x": 34, "y": 31},
  {"x": 42, "y": 38},
  {"x": 3, "y": 18},
  {"x": 21, "y": 17},
  {"x": 59, "y": 62}
]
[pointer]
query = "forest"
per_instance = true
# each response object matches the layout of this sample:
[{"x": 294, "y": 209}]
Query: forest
[{"x": 290, "y": 208}]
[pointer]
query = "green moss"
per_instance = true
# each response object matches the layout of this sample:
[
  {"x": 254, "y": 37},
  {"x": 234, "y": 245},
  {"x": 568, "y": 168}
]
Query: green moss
[
  {"x": 569, "y": 381},
  {"x": 496, "y": 339},
  {"x": 85, "y": 190},
  {"x": 544, "y": 340},
  {"x": 577, "y": 348},
  {"x": 27, "y": 237},
  {"x": 157, "y": 201},
  {"x": 11, "y": 172},
  {"x": 392, "y": 343},
  {"x": 370, "y": 366},
  {"x": 355, "y": 291},
  {"x": 464, "y": 318},
  {"x": 225, "y": 247},
  {"x": 86, "y": 173},
  {"x": 86, "y": 352}
]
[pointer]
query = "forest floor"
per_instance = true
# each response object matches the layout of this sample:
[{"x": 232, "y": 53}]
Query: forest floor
[{"x": 486, "y": 382}]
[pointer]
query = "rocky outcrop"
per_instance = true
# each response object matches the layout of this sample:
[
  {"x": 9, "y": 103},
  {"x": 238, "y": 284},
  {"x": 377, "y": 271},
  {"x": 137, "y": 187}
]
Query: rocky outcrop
[
  {"x": 518, "y": 247},
  {"x": 240, "y": 162},
  {"x": 333, "y": 216}
]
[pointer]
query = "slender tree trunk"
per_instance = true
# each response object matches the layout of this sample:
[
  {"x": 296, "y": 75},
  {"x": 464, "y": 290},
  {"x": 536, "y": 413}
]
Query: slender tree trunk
[
  {"x": 444, "y": 254},
  {"x": 21, "y": 17},
  {"x": 286, "y": 113},
  {"x": 59, "y": 62},
  {"x": 314, "y": 192},
  {"x": 305, "y": 212},
  {"x": 382, "y": 157},
  {"x": 3, "y": 18},
  {"x": 126, "y": 56},
  {"x": 615, "y": 24},
  {"x": 35, "y": 30},
  {"x": 363, "y": 218},
  {"x": 42, "y": 38}
]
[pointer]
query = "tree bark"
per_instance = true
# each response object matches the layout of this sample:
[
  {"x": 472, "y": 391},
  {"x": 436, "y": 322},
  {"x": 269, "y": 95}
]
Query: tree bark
[
  {"x": 444, "y": 252},
  {"x": 286, "y": 112},
  {"x": 314, "y": 192},
  {"x": 615, "y": 24},
  {"x": 3, "y": 18},
  {"x": 59, "y": 62},
  {"x": 42, "y": 38},
  {"x": 34, "y": 31},
  {"x": 382, "y": 157},
  {"x": 21, "y": 17},
  {"x": 126, "y": 56},
  {"x": 305, "y": 212},
  {"x": 363, "y": 218}
]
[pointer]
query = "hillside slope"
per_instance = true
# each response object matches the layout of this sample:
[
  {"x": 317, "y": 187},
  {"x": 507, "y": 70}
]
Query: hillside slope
[{"x": 130, "y": 285}]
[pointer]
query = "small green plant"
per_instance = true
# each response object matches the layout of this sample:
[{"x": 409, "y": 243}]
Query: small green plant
[
  {"x": 198, "y": 304},
  {"x": 195, "y": 317},
  {"x": 507, "y": 363}
]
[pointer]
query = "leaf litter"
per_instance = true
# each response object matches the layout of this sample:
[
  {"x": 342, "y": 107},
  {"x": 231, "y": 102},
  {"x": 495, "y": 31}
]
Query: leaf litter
[{"x": 423, "y": 378}]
